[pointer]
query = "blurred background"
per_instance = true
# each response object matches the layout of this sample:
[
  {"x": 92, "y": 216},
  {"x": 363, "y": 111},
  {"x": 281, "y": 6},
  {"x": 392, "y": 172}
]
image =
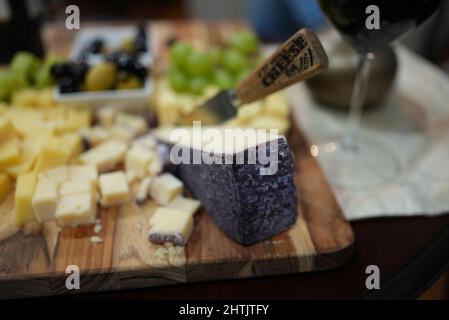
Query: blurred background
[{"x": 274, "y": 20}]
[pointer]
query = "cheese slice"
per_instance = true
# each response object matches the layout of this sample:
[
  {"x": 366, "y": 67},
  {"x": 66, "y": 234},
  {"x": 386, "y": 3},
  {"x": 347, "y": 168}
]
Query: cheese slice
[
  {"x": 114, "y": 189},
  {"x": 25, "y": 187},
  {"x": 45, "y": 199},
  {"x": 165, "y": 188},
  {"x": 171, "y": 225},
  {"x": 76, "y": 209}
]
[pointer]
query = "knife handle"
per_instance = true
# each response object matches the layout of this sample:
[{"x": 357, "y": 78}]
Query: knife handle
[{"x": 299, "y": 58}]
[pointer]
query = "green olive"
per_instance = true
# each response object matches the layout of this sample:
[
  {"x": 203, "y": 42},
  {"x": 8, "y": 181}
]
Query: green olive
[
  {"x": 101, "y": 77},
  {"x": 131, "y": 82}
]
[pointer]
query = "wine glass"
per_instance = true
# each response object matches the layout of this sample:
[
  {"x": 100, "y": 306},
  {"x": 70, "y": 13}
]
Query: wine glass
[{"x": 368, "y": 25}]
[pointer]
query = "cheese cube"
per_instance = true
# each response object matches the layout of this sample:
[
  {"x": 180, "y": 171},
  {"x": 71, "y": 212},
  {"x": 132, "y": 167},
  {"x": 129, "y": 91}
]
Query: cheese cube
[
  {"x": 9, "y": 152},
  {"x": 57, "y": 175},
  {"x": 6, "y": 129},
  {"x": 106, "y": 155},
  {"x": 106, "y": 116},
  {"x": 248, "y": 112},
  {"x": 74, "y": 143},
  {"x": 185, "y": 204},
  {"x": 75, "y": 187},
  {"x": 135, "y": 123},
  {"x": 165, "y": 188},
  {"x": 54, "y": 153},
  {"x": 114, "y": 189},
  {"x": 76, "y": 209},
  {"x": 95, "y": 135},
  {"x": 29, "y": 149},
  {"x": 25, "y": 187},
  {"x": 87, "y": 172},
  {"x": 121, "y": 133},
  {"x": 155, "y": 166},
  {"x": 5, "y": 186},
  {"x": 277, "y": 105},
  {"x": 171, "y": 225},
  {"x": 45, "y": 199},
  {"x": 138, "y": 159},
  {"x": 147, "y": 141}
]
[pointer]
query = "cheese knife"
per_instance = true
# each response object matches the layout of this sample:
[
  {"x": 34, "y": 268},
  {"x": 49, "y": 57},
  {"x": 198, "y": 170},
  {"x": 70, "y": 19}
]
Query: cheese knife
[{"x": 301, "y": 57}]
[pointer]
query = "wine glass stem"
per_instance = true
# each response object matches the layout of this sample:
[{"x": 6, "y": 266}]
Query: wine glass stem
[{"x": 350, "y": 140}]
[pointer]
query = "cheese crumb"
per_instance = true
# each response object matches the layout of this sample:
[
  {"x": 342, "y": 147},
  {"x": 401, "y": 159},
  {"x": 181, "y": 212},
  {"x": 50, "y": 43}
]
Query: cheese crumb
[{"x": 96, "y": 239}]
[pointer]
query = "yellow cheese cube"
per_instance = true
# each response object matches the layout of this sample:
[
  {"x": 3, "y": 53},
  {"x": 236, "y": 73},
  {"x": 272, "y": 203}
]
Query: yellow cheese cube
[
  {"x": 6, "y": 129},
  {"x": 53, "y": 153},
  {"x": 76, "y": 209},
  {"x": 9, "y": 152},
  {"x": 171, "y": 225},
  {"x": 114, "y": 188},
  {"x": 74, "y": 144},
  {"x": 165, "y": 188},
  {"x": 29, "y": 149},
  {"x": 25, "y": 187},
  {"x": 106, "y": 116},
  {"x": 248, "y": 112},
  {"x": 5, "y": 186},
  {"x": 135, "y": 123},
  {"x": 77, "y": 119},
  {"x": 45, "y": 199}
]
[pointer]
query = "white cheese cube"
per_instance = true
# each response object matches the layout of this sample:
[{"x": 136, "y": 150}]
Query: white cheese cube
[
  {"x": 138, "y": 159},
  {"x": 95, "y": 135},
  {"x": 106, "y": 116},
  {"x": 135, "y": 123},
  {"x": 76, "y": 187},
  {"x": 171, "y": 225},
  {"x": 155, "y": 166},
  {"x": 76, "y": 209},
  {"x": 165, "y": 188},
  {"x": 57, "y": 175},
  {"x": 121, "y": 133},
  {"x": 87, "y": 172},
  {"x": 106, "y": 156},
  {"x": 147, "y": 141},
  {"x": 185, "y": 204},
  {"x": 45, "y": 199},
  {"x": 144, "y": 189},
  {"x": 114, "y": 189}
]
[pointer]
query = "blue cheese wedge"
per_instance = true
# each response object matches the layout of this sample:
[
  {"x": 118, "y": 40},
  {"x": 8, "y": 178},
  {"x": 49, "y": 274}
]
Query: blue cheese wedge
[
  {"x": 171, "y": 225},
  {"x": 165, "y": 188},
  {"x": 114, "y": 189},
  {"x": 45, "y": 199},
  {"x": 76, "y": 209}
]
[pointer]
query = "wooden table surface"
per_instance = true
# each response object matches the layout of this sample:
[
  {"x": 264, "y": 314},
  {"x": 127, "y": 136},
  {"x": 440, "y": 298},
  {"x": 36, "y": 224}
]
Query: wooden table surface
[{"x": 410, "y": 252}]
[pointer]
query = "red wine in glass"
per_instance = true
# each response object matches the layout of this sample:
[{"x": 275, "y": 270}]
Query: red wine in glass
[
  {"x": 353, "y": 162},
  {"x": 396, "y": 17}
]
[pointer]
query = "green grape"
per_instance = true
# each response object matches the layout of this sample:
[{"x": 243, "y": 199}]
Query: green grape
[
  {"x": 198, "y": 64},
  {"x": 178, "y": 80},
  {"x": 43, "y": 77},
  {"x": 6, "y": 84},
  {"x": 179, "y": 53},
  {"x": 215, "y": 55},
  {"x": 223, "y": 79},
  {"x": 245, "y": 42},
  {"x": 26, "y": 64},
  {"x": 197, "y": 85},
  {"x": 233, "y": 61}
]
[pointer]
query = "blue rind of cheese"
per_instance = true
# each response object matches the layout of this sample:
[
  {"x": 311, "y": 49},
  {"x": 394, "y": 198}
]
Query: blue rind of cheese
[{"x": 247, "y": 206}]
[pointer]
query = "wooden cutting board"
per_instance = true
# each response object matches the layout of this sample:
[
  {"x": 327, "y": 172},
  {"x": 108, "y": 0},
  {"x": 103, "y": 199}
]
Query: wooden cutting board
[{"x": 35, "y": 265}]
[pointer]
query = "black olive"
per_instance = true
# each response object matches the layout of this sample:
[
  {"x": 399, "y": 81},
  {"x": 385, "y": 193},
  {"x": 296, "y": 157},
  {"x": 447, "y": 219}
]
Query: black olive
[
  {"x": 96, "y": 46},
  {"x": 67, "y": 85},
  {"x": 60, "y": 70},
  {"x": 79, "y": 71}
]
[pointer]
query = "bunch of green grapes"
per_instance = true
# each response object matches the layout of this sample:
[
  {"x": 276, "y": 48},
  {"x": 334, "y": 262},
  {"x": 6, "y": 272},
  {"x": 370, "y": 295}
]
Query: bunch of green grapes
[
  {"x": 191, "y": 71},
  {"x": 25, "y": 70}
]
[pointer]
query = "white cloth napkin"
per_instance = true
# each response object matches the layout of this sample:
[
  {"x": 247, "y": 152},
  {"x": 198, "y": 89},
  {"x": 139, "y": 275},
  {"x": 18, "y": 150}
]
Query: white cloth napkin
[{"x": 413, "y": 123}]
